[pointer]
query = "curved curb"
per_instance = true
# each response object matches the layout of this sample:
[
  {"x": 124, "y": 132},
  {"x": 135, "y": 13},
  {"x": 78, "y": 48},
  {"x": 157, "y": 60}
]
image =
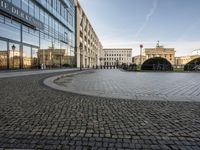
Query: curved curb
[{"x": 50, "y": 82}]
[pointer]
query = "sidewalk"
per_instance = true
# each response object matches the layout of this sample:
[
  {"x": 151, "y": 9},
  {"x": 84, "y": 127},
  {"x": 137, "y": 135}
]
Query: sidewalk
[{"x": 8, "y": 74}]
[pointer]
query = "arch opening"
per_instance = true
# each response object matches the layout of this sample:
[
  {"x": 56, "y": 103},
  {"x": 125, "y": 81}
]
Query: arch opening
[
  {"x": 193, "y": 65},
  {"x": 157, "y": 64}
]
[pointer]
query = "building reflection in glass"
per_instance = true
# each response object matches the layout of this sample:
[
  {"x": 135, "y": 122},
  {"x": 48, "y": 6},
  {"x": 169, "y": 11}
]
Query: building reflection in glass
[
  {"x": 54, "y": 57},
  {"x": 35, "y": 62},
  {"x": 23, "y": 45},
  {"x": 14, "y": 56},
  {"x": 26, "y": 57},
  {"x": 3, "y": 55}
]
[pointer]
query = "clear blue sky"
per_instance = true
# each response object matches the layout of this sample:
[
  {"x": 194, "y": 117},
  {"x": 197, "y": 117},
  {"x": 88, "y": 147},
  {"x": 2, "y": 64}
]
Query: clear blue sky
[{"x": 127, "y": 23}]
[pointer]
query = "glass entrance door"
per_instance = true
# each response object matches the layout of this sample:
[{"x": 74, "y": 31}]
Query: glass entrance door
[
  {"x": 26, "y": 57},
  {"x": 3, "y": 55},
  {"x": 35, "y": 60},
  {"x": 30, "y": 57},
  {"x": 14, "y": 56}
]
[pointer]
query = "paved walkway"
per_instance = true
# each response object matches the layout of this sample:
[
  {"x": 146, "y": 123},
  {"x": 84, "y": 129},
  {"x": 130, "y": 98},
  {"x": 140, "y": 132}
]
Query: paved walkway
[
  {"x": 135, "y": 85},
  {"x": 8, "y": 74},
  {"x": 33, "y": 116}
]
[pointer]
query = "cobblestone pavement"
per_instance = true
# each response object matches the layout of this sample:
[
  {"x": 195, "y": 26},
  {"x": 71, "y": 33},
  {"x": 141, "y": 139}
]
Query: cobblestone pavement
[
  {"x": 13, "y": 73},
  {"x": 33, "y": 116},
  {"x": 135, "y": 85}
]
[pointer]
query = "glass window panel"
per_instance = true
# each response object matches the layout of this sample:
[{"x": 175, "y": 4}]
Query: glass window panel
[
  {"x": 31, "y": 37},
  {"x": 35, "y": 61},
  {"x": 14, "y": 56},
  {"x": 31, "y": 8},
  {"x": 3, "y": 55},
  {"x": 26, "y": 57},
  {"x": 45, "y": 52},
  {"x": 25, "y": 5},
  {"x": 37, "y": 12},
  {"x": 17, "y": 3},
  {"x": 44, "y": 2},
  {"x": 46, "y": 18},
  {"x": 41, "y": 15},
  {"x": 9, "y": 30},
  {"x": 1, "y": 18}
]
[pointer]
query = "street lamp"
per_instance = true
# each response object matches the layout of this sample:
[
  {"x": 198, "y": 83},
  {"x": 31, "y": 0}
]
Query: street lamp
[
  {"x": 13, "y": 48},
  {"x": 141, "y": 46}
]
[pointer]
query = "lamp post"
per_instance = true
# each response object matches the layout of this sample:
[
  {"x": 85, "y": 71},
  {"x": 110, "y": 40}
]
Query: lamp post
[
  {"x": 141, "y": 46},
  {"x": 13, "y": 48}
]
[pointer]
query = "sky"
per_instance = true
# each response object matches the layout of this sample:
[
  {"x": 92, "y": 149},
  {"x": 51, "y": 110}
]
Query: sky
[{"x": 129, "y": 23}]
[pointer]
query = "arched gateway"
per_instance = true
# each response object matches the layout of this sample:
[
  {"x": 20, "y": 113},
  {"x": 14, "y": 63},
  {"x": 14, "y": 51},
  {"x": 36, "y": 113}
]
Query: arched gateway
[
  {"x": 193, "y": 65},
  {"x": 157, "y": 64}
]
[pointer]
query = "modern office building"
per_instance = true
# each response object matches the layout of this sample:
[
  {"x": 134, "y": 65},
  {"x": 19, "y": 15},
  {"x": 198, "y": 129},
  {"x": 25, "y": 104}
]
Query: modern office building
[
  {"x": 35, "y": 32},
  {"x": 88, "y": 45},
  {"x": 117, "y": 56}
]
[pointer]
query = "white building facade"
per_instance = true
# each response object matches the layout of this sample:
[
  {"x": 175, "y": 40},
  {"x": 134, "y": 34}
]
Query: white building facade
[{"x": 117, "y": 56}]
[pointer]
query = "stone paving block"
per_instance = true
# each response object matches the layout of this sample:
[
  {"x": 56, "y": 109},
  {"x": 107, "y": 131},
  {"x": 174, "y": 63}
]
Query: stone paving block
[{"x": 35, "y": 116}]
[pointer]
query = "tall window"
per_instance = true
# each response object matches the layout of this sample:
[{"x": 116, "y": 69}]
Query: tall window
[
  {"x": 3, "y": 55},
  {"x": 31, "y": 8},
  {"x": 17, "y": 3},
  {"x": 25, "y": 5},
  {"x": 37, "y": 12}
]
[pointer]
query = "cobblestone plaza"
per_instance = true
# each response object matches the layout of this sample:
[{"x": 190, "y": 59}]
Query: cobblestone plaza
[
  {"x": 34, "y": 116},
  {"x": 135, "y": 85}
]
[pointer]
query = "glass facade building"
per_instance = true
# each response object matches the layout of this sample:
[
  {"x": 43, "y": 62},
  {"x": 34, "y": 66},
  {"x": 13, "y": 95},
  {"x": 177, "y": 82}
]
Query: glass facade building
[{"x": 35, "y": 33}]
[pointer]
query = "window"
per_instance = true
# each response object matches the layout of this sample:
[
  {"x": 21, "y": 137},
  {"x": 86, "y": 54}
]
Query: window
[
  {"x": 37, "y": 12},
  {"x": 26, "y": 57},
  {"x": 25, "y": 5},
  {"x": 66, "y": 37},
  {"x": 3, "y": 56},
  {"x": 1, "y": 18},
  {"x": 31, "y": 8},
  {"x": 41, "y": 15},
  {"x": 17, "y": 3},
  {"x": 10, "y": 29},
  {"x": 70, "y": 19},
  {"x": 46, "y": 17}
]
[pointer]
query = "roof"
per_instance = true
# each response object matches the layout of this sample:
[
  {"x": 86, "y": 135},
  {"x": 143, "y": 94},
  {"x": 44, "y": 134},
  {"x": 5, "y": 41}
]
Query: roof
[{"x": 117, "y": 49}]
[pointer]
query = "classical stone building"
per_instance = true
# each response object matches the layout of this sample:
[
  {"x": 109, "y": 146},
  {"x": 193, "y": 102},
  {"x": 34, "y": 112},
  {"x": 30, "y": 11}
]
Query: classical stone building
[
  {"x": 136, "y": 59},
  {"x": 158, "y": 58},
  {"x": 117, "y": 56},
  {"x": 189, "y": 62},
  {"x": 183, "y": 60},
  {"x": 160, "y": 51},
  {"x": 88, "y": 46}
]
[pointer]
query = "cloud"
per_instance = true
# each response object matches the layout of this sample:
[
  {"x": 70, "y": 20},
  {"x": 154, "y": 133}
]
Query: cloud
[{"x": 148, "y": 16}]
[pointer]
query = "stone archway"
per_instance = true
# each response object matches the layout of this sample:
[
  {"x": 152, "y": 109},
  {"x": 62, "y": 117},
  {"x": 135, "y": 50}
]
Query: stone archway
[
  {"x": 157, "y": 64},
  {"x": 193, "y": 65}
]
